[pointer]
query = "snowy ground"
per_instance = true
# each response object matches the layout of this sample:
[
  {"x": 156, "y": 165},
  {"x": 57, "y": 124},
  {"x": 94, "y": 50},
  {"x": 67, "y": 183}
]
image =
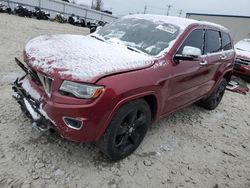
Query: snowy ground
[{"x": 192, "y": 148}]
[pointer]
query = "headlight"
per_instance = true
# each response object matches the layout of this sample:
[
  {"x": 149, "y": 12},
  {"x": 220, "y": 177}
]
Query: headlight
[{"x": 81, "y": 90}]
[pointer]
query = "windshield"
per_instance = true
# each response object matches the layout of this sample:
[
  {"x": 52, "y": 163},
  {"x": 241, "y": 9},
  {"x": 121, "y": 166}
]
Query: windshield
[
  {"x": 141, "y": 35},
  {"x": 243, "y": 45}
]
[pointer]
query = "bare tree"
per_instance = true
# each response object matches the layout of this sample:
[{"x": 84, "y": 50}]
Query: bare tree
[{"x": 98, "y": 5}]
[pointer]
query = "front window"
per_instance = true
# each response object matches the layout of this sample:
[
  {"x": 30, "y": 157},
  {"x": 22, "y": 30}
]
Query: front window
[
  {"x": 194, "y": 39},
  {"x": 146, "y": 36}
]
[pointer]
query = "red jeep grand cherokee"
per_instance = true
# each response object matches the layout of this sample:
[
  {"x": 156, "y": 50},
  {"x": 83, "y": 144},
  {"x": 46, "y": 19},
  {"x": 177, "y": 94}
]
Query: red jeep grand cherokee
[
  {"x": 109, "y": 87},
  {"x": 242, "y": 61}
]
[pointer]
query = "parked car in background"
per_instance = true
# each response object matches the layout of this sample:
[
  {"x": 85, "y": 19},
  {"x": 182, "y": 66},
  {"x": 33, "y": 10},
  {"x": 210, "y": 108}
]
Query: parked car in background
[
  {"x": 40, "y": 14},
  {"x": 110, "y": 86},
  {"x": 23, "y": 11},
  {"x": 242, "y": 61},
  {"x": 60, "y": 18},
  {"x": 75, "y": 20},
  {"x": 94, "y": 25},
  {"x": 5, "y": 9}
]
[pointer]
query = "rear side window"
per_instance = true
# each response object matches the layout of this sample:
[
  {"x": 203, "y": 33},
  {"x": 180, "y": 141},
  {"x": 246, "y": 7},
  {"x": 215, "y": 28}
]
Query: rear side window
[
  {"x": 213, "y": 41},
  {"x": 194, "y": 39},
  {"x": 226, "y": 41}
]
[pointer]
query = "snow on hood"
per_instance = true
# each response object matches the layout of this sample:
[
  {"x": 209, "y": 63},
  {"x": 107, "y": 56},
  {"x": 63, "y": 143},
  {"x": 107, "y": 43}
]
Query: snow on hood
[
  {"x": 82, "y": 58},
  {"x": 242, "y": 54},
  {"x": 242, "y": 48}
]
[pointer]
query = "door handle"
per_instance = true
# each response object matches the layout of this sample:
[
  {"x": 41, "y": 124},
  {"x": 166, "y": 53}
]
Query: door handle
[
  {"x": 203, "y": 63},
  {"x": 223, "y": 57}
]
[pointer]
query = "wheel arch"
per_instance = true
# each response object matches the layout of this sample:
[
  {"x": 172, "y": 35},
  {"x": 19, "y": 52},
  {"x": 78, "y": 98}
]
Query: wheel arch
[
  {"x": 228, "y": 75},
  {"x": 149, "y": 97}
]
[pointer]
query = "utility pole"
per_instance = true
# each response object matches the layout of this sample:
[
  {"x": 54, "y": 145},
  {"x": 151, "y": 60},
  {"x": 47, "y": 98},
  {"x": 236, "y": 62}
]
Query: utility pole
[
  {"x": 169, "y": 7},
  {"x": 145, "y": 9},
  {"x": 92, "y": 4},
  {"x": 180, "y": 13}
]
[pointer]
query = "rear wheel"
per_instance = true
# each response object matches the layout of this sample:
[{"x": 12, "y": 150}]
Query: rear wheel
[
  {"x": 215, "y": 98},
  {"x": 126, "y": 130}
]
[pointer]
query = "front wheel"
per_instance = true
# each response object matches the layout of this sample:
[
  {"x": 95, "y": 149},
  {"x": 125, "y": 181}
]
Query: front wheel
[
  {"x": 215, "y": 98},
  {"x": 126, "y": 130}
]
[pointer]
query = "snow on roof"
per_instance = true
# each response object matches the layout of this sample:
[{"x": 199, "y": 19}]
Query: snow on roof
[{"x": 183, "y": 23}]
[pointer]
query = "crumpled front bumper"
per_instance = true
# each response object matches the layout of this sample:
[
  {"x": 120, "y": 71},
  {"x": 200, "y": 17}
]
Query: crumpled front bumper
[
  {"x": 57, "y": 112},
  {"x": 31, "y": 107}
]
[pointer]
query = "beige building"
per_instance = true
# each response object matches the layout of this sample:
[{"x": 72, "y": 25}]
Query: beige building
[{"x": 238, "y": 25}]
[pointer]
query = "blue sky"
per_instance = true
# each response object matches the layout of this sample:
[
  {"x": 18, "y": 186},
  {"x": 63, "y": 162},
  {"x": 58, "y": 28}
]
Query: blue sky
[{"x": 122, "y": 7}]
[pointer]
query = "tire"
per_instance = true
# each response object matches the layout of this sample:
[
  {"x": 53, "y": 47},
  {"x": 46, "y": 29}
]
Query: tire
[
  {"x": 126, "y": 130},
  {"x": 92, "y": 29},
  {"x": 215, "y": 98}
]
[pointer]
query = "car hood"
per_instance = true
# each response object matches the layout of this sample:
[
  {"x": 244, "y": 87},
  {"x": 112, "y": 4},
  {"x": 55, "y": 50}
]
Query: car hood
[
  {"x": 81, "y": 58},
  {"x": 242, "y": 54}
]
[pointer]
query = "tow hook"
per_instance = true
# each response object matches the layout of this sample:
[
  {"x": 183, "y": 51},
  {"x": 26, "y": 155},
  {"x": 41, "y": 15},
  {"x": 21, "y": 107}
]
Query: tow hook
[{"x": 40, "y": 127}]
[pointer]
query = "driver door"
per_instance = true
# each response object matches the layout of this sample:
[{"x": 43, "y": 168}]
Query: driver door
[{"x": 187, "y": 82}]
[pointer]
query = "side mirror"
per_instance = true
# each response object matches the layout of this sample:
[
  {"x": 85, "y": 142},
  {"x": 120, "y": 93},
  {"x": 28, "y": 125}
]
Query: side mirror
[{"x": 189, "y": 53}]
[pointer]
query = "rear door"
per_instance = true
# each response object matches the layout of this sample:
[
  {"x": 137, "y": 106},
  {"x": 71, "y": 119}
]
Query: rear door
[
  {"x": 214, "y": 55},
  {"x": 228, "y": 54}
]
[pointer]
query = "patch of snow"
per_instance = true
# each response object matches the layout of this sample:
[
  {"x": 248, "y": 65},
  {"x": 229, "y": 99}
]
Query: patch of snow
[
  {"x": 29, "y": 89},
  {"x": 34, "y": 115},
  {"x": 242, "y": 48},
  {"x": 159, "y": 64},
  {"x": 82, "y": 58},
  {"x": 183, "y": 23},
  {"x": 213, "y": 25},
  {"x": 241, "y": 53},
  {"x": 168, "y": 28},
  {"x": 42, "y": 111},
  {"x": 243, "y": 45}
]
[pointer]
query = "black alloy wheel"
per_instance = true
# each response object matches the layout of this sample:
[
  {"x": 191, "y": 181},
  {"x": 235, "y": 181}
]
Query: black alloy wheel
[{"x": 126, "y": 130}]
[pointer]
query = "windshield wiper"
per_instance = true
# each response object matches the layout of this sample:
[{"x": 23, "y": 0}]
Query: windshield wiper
[
  {"x": 98, "y": 38},
  {"x": 133, "y": 49}
]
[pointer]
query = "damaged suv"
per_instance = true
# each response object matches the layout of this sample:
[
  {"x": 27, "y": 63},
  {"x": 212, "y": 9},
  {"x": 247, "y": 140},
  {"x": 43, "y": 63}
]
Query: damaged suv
[
  {"x": 108, "y": 87},
  {"x": 242, "y": 61}
]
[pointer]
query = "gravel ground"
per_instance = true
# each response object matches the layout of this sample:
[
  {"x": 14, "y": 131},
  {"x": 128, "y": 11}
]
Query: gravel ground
[{"x": 192, "y": 148}]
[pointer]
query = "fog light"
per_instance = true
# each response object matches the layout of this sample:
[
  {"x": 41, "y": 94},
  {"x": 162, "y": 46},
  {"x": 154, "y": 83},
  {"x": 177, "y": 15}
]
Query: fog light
[{"x": 73, "y": 123}]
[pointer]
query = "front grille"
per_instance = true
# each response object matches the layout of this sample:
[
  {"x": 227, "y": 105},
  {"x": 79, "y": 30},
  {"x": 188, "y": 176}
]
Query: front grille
[
  {"x": 47, "y": 83},
  {"x": 237, "y": 66},
  {"x": 34, "y": 76},
  {"x": 242, "y": 61}
]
